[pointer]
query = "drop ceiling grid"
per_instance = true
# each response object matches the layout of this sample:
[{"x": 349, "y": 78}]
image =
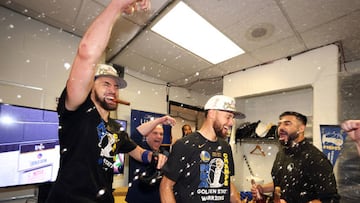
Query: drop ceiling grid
[
  {"x": 143, "y": 65},
  {"x": 306, "y": 15},
  {"x": 223, "y": 15},
  {"x": 280, "y": 49},
  {"x": 53, "y": 9},
  {"x": 87, "y": 13},
  {"x": 123, "y": 32},
  {"x": 237, "y": 63},
  {"x": 272, "y": 16},
  {"x": 208, "y": 88},
  {"x": 340, "y": 29}
]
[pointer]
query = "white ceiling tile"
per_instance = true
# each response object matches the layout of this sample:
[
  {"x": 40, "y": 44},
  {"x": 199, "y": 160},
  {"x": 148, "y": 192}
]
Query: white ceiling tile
[
  {"x": 62, "y": 11},
  {"x": 224, "y": 14},
  {"x": 269, "y": 18},
  {"x": 340, "y": 29},
  {"x": 88, "y": 11},
  {"x": 308, "y": 14},
  {"x": 145, "y": 66},
  {"x": 208, "y": 87},
  {"x": 278, "y": 50},
  {"x": 238, "y": 63},
  {"x": 123, "y": 31},
  {"x": 210, "y": 76}
]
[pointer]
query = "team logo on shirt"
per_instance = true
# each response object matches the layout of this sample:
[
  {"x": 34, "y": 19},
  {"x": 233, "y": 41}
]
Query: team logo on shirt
[
  {"x": 214, "y": 170},
  {"x": 107, "y": 145},
  {"x": 214, "y": 175}
]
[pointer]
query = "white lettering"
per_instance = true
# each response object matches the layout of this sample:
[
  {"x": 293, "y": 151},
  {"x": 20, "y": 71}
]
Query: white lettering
[{"x": 212, "y": 198}]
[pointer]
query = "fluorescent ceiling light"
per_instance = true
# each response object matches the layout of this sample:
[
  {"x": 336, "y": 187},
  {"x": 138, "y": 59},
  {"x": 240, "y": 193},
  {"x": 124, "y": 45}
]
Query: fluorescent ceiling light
[{"x": 188, "y": 29}]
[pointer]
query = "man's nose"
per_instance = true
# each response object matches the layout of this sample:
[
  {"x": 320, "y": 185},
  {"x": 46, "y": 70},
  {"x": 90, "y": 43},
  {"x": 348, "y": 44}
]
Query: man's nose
[
  {"x": 231, "y": 122},
  {"x": 113, "y": 88}
]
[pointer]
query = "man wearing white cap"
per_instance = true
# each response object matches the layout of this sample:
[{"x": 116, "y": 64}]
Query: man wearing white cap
[
  {"x": 89, "y": 139},
  {"x": 200, "y": 165}
]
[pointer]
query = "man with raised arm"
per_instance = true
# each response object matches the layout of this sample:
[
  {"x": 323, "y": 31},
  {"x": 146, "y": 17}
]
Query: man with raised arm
[{"x": 89, "y": 138}]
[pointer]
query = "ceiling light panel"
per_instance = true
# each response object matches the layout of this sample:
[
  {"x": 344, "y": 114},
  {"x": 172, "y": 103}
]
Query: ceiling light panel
[{"x": 185, "y": 27}]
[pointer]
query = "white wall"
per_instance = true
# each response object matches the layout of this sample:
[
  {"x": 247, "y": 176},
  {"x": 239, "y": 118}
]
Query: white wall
[
  {"x": 33, "y": 54},
  {"x": 307, "y": 83},
  {"x": 267, "y": 109},
  {"x": 317, "y": 69}
]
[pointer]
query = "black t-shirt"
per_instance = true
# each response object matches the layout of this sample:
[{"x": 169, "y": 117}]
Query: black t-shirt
[
  {"x": 304, "y": 173},
  {"x": 201, "y": 169},
  {"x": 87, "y": 149}
]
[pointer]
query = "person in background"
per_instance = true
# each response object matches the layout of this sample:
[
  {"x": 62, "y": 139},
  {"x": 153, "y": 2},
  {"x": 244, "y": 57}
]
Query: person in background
[
  {"x": 89, "y": 138},
  {"x": 200, "y": 165},
  {"x": 139, "y": 189},
  {"x": 303, "y": 173},
  {"x": 347, "y": 165},
  {"x": 186, "y": 129}
]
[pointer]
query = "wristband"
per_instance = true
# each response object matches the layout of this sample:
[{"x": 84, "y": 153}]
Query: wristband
[
  {"x": 154, "y": 158},
  {"x": 144, "y": 156}
]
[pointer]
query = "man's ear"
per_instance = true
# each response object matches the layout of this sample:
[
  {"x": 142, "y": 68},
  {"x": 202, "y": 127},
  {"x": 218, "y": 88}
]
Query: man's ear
[
  {"x": 211, "y": 113},
  {"x": 302, "y": 129}
]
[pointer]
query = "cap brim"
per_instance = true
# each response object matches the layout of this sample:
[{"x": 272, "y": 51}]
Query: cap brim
[
  {"x": 120, "y": 81},
  {"x": 239, "y": 115}
]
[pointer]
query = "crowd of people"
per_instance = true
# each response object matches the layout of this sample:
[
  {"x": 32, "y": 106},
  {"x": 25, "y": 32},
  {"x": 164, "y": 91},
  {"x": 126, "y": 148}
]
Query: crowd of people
[{"x": 200, "y": 165}]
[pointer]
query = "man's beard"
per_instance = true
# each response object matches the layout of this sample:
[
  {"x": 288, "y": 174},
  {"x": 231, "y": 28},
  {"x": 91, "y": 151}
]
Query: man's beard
[
  {"x": 218, "y": 130},
  {"x": 103, "y": 103},
  {"x": 290, "y": 141}
]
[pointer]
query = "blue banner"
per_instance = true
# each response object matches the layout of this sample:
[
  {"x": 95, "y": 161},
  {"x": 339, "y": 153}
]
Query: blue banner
[{"x": 332, "y": 141}]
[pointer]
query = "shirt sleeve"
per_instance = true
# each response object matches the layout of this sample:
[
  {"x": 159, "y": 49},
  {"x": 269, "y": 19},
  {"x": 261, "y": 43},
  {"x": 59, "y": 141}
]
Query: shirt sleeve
[
  {"x": 175, "y": 164},
  {"x": 124, "y": 144}
]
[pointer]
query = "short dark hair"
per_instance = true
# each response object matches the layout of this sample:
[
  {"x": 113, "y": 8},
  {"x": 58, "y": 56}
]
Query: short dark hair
[
  {"x": 298, "y": 116},
  {"x": 183, "y": 127},
  {"x": 206, "y": 113}
]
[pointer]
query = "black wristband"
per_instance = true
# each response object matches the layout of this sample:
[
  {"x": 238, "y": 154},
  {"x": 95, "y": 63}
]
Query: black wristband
[{"x": 155, "y": 158}]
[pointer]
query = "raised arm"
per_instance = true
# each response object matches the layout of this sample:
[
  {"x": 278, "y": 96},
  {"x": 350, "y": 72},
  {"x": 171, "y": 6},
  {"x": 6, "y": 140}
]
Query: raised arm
[
  {"x": 90, "y": 49},
  {"x": 145, "y": 128}
]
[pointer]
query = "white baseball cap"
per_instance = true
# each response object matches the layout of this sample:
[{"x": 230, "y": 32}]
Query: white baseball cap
[
  {"x": 107, "y": 70},
  {"x": 223, "y": 103},
  {"x": 262, "y": 129}
]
